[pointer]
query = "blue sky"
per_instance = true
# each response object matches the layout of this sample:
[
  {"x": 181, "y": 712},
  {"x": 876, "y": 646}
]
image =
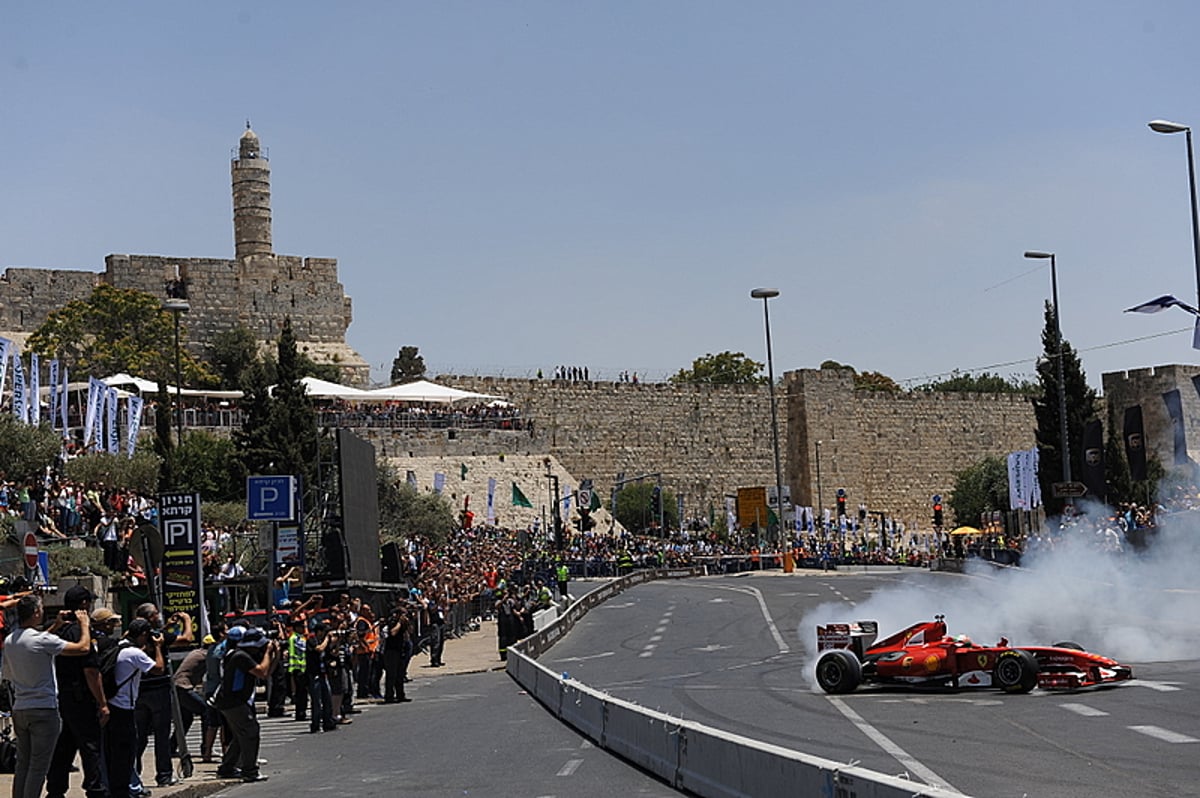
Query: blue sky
[{"x": 515, "y": 185}]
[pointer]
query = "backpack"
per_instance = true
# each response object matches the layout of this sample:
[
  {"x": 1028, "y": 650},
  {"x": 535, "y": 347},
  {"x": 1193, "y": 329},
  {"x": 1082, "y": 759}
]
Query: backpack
[{"x": 108, "y": 666}]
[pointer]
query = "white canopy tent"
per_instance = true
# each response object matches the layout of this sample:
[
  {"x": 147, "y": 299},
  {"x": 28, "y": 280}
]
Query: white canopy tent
[
  {"x": 321, "y": 389},
  {"x": 425, "y": 391},
  {"x": 144, "y": 386}
]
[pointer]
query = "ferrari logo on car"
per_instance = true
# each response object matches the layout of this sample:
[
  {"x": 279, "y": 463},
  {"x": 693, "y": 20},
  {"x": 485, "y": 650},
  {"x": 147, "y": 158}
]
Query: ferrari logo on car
[{"x": 982, "y": 659}]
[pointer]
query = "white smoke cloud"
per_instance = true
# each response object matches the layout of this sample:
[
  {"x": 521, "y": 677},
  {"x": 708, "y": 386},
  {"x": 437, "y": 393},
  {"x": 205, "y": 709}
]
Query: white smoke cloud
[{"x": 1132, "y": 606}]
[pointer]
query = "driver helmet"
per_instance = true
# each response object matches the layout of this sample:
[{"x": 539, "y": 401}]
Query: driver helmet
[{"x": 963, "y": 640}]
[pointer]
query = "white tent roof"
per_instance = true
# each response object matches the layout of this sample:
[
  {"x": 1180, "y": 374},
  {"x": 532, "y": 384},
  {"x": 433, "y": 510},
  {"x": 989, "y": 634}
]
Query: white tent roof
[
  {"x": 424, "y": 391},
  {"x": 320, "y": 389},
  {"x": 145, "y": 386},
  {"x": 122, "y": 379}
]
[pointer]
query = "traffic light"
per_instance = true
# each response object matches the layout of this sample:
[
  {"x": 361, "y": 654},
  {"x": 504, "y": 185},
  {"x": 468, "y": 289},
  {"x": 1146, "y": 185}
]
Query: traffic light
[
  {"x": 862, "y": 513},
  {"x": 656, "y": 501},
  {"x": 937, "y": 513},
  {"x": 585, "y": 519},
  {"x": 841, "y": 503}
]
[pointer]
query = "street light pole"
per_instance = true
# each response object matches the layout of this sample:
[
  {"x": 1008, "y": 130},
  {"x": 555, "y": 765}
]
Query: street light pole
[
  {"x": 177, "y": 307},
  {"x": 1062, "y": 388},
  {"x": 820, "y": 519},
  {"x": 766, "y": 294},
  {"x": 1163, "y": 126}
]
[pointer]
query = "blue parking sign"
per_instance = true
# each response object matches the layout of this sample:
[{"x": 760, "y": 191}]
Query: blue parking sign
[{"x": 271, "y": 498}]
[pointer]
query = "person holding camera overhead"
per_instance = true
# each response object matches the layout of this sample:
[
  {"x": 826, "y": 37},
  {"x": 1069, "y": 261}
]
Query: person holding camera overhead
[
  {"x": 29, "y": 666},
  {"x": 154, "y": 701},
  {"x": 82, "y": 706},
  {"x": 242, "y": 666}
]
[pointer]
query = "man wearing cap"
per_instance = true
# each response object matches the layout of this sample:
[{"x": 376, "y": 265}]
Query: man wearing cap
[
  {"x": 29, "y": 666},
  {"x": 121, "y": 737},
  {"x": 154, "y": 699},
  {"x": 250, "y": 660},
  {"x": 82, "y": 707}
]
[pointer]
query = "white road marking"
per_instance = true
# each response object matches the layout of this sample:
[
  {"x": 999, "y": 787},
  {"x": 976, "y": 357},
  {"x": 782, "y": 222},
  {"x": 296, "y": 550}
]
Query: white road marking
[
  {"x": 711, "y": 647},
  {"x": 896, "y": 752},
  {"x": 1085, "y": 710},
  {"x": 1162, "y": 687},
  {"x": 656, "y": 638},
  {"x": 570, "y": 768},
  {"x": 1166, "y": 735},
  {"x": 762, "y": 605}
]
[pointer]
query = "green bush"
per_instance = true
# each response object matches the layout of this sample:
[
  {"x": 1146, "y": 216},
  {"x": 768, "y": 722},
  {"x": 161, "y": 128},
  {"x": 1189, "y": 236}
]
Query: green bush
[{"x": 139, "y": 472}]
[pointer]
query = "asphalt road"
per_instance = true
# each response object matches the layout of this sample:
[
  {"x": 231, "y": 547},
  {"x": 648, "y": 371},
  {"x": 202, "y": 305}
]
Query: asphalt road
[{"x": 729, "y": 652}]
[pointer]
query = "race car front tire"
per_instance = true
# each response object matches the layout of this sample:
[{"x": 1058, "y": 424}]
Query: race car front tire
[
  {"x": 839, "y": 671},
  {"x": 1016, "y": 671}
]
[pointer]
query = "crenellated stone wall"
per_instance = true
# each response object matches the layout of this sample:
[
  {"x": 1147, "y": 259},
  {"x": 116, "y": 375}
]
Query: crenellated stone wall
[
  {"x": 1145, "y": 387},
  {"x": 889, "y": 451}
]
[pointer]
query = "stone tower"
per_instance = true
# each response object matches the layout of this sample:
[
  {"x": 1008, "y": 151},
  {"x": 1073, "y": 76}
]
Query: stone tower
[{"x": 251, "y": 173}]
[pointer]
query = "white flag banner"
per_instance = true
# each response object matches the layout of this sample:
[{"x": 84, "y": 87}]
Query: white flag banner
[
  {"x": 64, "y": 395},
  {"x": 1034, "y": 487},
  {"x": 566, "y": 503},
  {"x": 20, "y": 395},
  {"x": 53, "y": 393},
  {"x": 1016, "y": 483},
  {"x": 5, "y": 348},
  {"x": 439, "y": 482},
  {"x": 35, "y": 390},
  {"x": 95, "y": 396},
  {"x": 133, "y": 422},
  {"x": 491, "y": 504},
  {"x": 113, "y": 436},
  {"x": 730, "y": 513}
]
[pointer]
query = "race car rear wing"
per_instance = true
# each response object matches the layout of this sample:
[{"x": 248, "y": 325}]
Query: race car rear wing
[{"x": 857, "y": 636}]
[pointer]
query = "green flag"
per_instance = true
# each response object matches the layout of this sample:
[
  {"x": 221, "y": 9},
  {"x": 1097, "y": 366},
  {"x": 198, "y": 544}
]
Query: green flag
[
  {"x": 463, "y": 471},
  {"x": 595, "y": 504},
  {"x": 519, "y": 499}
]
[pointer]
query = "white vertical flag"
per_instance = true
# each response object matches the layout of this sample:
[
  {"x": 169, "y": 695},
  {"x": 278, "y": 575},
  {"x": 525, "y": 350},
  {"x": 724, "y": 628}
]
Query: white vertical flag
[
  {"x": 94, "y": 398},
  {"x": 52, "y": 395},
  {"x": 113, "y": 436},
  {"x": 439, "y": 482},
  {"x": 1034, "y": 487},
  {"x": 65, "y": 395},
  {"x": 133, "y": 422},
  {"x": 5, "y": 346},
  {"x": 35, "y": 390},
  {"x": 20, "y": 396}
]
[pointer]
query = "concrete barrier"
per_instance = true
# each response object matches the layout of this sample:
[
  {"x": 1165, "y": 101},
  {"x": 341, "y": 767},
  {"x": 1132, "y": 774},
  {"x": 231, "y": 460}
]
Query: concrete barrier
[{"x": 690, "y": 756}]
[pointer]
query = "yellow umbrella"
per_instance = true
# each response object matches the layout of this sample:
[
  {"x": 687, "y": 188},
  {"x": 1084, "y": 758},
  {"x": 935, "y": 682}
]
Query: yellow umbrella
[{"x": 966, "y": 530}]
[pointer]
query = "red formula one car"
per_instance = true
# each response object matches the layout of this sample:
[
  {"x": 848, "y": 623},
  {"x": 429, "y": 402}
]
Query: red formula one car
[{"x": 923, "y": 655}]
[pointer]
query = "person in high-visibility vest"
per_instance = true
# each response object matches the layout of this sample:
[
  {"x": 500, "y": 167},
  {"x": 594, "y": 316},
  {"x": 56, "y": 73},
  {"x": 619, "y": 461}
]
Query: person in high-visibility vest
[
  {"x": 297, "y": 668},
  {"x": 562, "y": 574}
]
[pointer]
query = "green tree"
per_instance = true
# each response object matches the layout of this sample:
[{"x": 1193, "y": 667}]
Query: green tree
[
  {"x": 26, "y": 450},
  {"x": 209, "y": 465},
  {"x": 1082, "y": 407},
  {"x": 279, "y": 433},
  {"x": 140, "y": 472},
  {"x": 405, "y": 512},
  {"x": 984, "y": 382},
  {"x": 874, "y": 381},
  {"x": 979, "y": 489},
  {"x": 115, "y": 330},
  {"x": 232, "y": 353},
  {"x": 722, "y": 369},
  {"x": 408, "y": 366},
  {"x": 633, "y": 509}
]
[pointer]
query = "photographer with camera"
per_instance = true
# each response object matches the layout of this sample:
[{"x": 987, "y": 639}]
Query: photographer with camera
[
  {"x": 29, "y": 666},
  {"x": 81, "y": 705},
  {"x": 142, "y": 651},
  {"x": 320, "y": 696},
  {"x": 154, "y": 702},
  {"x": 397, "y": 651},
  {"x": 252, "y": 659}
]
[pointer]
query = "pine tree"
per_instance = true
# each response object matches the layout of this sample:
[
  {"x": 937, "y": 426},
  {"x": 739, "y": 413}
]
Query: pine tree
[{"x": 1082, "y": 407}]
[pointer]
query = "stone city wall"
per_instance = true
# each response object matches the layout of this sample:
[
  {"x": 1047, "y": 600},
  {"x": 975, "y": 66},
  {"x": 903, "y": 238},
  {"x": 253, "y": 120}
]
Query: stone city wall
[{"x": 1146, "y": 387}]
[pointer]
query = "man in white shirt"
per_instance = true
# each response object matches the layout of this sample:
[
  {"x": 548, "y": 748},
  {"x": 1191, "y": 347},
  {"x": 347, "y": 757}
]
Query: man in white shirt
[
  {"x": 29, "y": 666},
  {"x": 120, "y": 743}
]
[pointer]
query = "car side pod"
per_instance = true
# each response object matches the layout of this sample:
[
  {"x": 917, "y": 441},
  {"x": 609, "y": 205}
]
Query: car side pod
[{"x": 839, "y": 671}]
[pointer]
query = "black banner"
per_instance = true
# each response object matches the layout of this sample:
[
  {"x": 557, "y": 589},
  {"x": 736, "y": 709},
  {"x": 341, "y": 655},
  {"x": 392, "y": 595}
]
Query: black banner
[
  {"x": 1174, "y": 405},
  {"x": 1135, "y": 443},
  {"x": 1093, "y": 459},
  {"x": 179, "y": 523}
]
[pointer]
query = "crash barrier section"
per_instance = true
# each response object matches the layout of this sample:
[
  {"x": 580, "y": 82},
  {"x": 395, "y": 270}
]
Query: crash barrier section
[{"x": 689, "y": 756}]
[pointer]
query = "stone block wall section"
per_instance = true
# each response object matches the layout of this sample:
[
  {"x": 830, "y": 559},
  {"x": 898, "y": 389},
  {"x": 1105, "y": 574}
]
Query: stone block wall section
[
  {"x": 1146, "y": 387},
  {"x": 889, "y": 451}
]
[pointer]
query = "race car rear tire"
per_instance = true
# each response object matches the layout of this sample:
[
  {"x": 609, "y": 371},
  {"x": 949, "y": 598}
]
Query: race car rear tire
[
  {"x": 1016, "y": 671},
  {"x": 839, "y": 671},
  {"x": 1067, "y": 644}
]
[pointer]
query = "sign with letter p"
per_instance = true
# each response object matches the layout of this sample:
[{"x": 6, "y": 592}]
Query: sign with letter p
[{"x": 271, "y": 498}]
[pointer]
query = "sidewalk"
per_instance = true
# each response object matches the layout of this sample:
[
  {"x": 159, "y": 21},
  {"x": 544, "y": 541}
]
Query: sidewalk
[{"x": 474, "y": 652}]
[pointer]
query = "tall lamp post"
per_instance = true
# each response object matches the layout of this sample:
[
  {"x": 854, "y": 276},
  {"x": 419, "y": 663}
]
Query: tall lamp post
[
  {"x": 177, "y": 306},
  {"x": 1058, "y": 340},
  {"x": 820, "y": 519},
  {"x": 1163, "y": 126},
  {"x": 765, "y": 294}
]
